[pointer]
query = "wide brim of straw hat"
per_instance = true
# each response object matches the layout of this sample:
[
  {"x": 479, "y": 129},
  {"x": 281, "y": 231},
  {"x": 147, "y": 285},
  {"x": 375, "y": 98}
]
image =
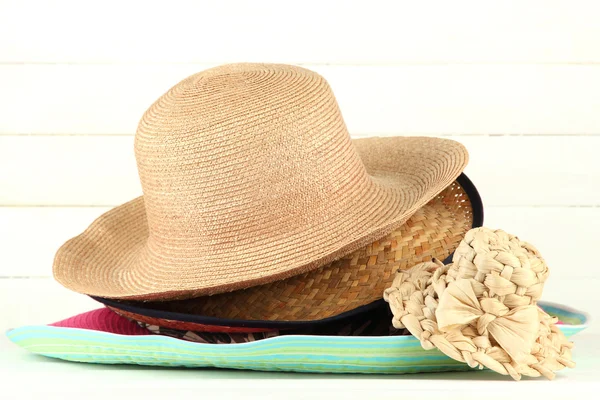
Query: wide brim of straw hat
[
  {"x": 344, "y": 288},
  {"x": 112, "y": 257}
]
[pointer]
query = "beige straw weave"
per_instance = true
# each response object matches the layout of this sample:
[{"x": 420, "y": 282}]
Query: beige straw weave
[
  {"x": 354, "y": 280},
  {"x": 249, "y": 176},
  {"x": 482, "y": 309}
]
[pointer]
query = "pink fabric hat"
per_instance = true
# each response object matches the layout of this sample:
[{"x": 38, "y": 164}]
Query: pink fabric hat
[{"x": 103, "y": 320}]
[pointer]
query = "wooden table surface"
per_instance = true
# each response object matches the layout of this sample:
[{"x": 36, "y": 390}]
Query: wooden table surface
[{"x": 37, "y": 301}]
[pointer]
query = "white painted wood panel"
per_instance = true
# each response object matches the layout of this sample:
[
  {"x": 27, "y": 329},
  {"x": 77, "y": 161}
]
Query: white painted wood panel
[
  {"x": 101, "y": 170},
  {"x": 566, "y": 236},
  {"x": 408, "y": 99},
  {"x": 70, "y": 170},
  {"x": 517, "y": 81},
  {"x": 30, "y": 236},
  {"x": 534, "y": 171},
  {"x": 313, "y": 31},
  {"x": 52, "y": 302}
]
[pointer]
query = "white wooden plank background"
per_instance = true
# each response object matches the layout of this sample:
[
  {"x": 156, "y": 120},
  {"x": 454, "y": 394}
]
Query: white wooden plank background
[
  {"x": 518, "y": 82},
  {"x": 391, "y": 99},
  {"x": 42, "y": 308},
  {"x": 566, "y": 236},
  {"x": 382, "y": 32},
  {"x": 101, "y": 170}
]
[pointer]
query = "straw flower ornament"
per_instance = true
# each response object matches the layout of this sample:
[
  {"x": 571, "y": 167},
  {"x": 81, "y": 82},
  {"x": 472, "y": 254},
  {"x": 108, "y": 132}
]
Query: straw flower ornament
[{"x": 482, "y": 308}]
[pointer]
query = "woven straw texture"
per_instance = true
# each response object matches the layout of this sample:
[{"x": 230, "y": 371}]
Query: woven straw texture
[
  {"x": 482, "y": 309},
  {"x": 352, "y": 281},
  {"x": 249, "y": 176}
]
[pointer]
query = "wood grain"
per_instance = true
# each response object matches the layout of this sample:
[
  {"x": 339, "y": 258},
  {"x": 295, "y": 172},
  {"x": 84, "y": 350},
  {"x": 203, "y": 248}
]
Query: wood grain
[
  {"x": 566, "y": 236},
  {"x": 43, "y": 301},
  {"x": 406, "y": 99},
  {"x": 380, "y": 31},
  {"x": 101, "y": 170}
]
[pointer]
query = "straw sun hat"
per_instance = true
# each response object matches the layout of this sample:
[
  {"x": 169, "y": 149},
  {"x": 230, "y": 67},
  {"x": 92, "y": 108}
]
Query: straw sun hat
[
  {"x": 249, "y": 176},
  {"x": 342, "y": 289}
]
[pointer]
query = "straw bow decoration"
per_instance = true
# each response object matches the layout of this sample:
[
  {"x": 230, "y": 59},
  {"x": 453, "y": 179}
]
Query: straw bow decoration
[{"x": 482, "y": 308}]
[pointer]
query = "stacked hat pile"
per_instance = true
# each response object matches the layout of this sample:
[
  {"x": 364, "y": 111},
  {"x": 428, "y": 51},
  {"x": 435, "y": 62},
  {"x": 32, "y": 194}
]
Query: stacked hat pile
[{"x": 266, "y": 237}]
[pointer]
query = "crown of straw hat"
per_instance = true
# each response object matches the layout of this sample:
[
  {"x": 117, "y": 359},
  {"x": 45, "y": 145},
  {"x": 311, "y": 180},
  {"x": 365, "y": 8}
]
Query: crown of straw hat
[{"x": 250, "y": 176}]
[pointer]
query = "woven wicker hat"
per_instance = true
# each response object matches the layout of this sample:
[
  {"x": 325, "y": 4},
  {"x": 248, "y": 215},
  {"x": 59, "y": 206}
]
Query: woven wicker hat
[
  {"x": 340, "y": 290},
  {"x": 249, "y": 176}
]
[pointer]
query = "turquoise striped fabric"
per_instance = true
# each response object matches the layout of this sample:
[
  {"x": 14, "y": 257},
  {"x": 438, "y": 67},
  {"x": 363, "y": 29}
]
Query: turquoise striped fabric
[{"x": 331, "y": 354}]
